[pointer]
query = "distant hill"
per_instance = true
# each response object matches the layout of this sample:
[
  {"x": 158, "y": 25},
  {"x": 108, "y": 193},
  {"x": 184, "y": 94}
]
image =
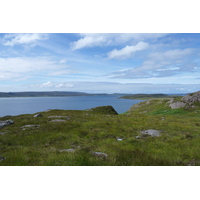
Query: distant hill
[
  {"x": 146, "y": 96},
  {"x": 44, "y": 94}
]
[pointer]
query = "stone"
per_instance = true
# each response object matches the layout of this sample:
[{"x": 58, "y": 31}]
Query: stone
[
  {"x": 58, "y": 120},
  {"x": 178, "y": 104},
  {"x": 2, "y": 133},
  {"x": 59, "y": 116},
  {"x": 67, "y": 150},
  {"x": 151, "y": 132},
  {"x": 38, "y": 115},
  {"x": 6, "y": 123},
  {"x": 30, "y": 126},
  {"x": 99, "y": 154},
  {"x": 137, "y": 137},
  {"x": 119, "y": 139},
  {"x": 191, "y": 98},
  {"x": 2, "y": 158}
]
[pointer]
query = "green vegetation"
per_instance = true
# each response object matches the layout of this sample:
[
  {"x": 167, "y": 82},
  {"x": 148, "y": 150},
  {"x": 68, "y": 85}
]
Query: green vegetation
[
  {"x": 147, "y": 96},
  {"x": 102, "y": 130}
]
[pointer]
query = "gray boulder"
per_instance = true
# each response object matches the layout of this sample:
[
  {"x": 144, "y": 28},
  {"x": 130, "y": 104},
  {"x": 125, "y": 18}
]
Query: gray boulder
[
  {"x": 99, "y": 154},
  {"x": 67, "y": 150},
  {"x": 58, "y": 120},
  {"x": 191, "y": 98},
  {"x": 38, "y": 115},
  {"x": 151, "y": 132},
  {"x": 2, "y": 158},
  {"x": 6, "y": 123}
]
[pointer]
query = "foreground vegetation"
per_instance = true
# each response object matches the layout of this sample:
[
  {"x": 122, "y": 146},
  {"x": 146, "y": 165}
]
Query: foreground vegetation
[{"x": 117, "y": 137}]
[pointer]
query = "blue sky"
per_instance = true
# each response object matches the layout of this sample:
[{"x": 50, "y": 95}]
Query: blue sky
[{"x": 100, "y": 62}]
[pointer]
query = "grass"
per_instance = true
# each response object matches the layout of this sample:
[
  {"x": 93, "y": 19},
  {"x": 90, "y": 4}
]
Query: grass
[{"x": 99, "y": 130}]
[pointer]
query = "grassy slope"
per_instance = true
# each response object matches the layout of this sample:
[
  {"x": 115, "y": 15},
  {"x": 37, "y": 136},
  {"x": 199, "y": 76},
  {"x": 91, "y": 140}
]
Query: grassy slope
[{"x": 88, "y": 131}]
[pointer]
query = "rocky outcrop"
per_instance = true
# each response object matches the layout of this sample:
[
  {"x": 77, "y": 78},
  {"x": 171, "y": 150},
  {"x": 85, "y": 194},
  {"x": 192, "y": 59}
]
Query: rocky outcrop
[
  {"x": 176, "y": 104},
  {"x": 6, "y": 123},
  {"x": 192, "y": 98},
  {"x": 186, "y": 101},
  {"x": 103, "y": 110}
]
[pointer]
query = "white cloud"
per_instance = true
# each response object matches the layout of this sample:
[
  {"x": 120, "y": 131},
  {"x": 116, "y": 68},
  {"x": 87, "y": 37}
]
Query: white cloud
[
  {"x": 90, "y": 40},
  {"x": 62, "y": 72},
  {"x": 163, "y": 64},
  {"x": 53, "y": 85},
  {"x": 19, "y": 67},
  {"x": 63, "y": 61},
  {"x": 127, "y": 51},
  {"x": 107, "y": 39},
  {"x": 23, "y": 38},
  {"x": 47, "y": 84}
]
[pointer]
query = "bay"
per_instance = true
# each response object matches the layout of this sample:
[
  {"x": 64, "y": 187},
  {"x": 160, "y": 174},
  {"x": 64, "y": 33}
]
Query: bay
[{"x": 31, "y": 105}]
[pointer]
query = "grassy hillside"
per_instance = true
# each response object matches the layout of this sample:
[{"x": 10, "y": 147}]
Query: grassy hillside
[{"x": 117, "y": 139}]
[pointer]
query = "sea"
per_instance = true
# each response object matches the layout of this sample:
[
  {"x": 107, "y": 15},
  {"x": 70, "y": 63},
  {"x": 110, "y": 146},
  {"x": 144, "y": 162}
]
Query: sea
[{"x": 30, "y": 105}]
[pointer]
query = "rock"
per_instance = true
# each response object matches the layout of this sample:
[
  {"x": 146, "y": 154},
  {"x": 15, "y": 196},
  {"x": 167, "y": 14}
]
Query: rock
[
  {"x": 109, "y": 110},
  {"x": 67, "y": 150},
  {"x": 59, "y": 116},
  {"x": 175, "y": 105},
  {"x": 119, "y": 139},
  {"x": 58, "y": 120},
  {"x": 6, "y": 123},
  {"x": 193, "y": 162},
  {"x": 30, "y": 126},
  {"x": 38, "y": 115},
  {"x": 151, "y": 132},
  {"x": 2, "y": 158},
  {"x": 2, "y": 133},
  {"x": 137, "y": 137},
  {"x": 191, "y": 98},
  {"x": 99, "y": 154}
]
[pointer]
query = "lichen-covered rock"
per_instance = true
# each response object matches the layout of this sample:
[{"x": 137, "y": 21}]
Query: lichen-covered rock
[
  {"x": 58, "y": 120},
  {"x": 38, "y": 115},
  {"x": 59, "y": 116},
  {"x": 6, "y": 123},
  {"x": 178, "y": 104},
  {"x": 67, "y": 150},
  {"x": 192, "y": 98},
  {"x": 2, "y": 158},
  {"x": 99, "y": 154},
  {"x": 151, "y": 132}
]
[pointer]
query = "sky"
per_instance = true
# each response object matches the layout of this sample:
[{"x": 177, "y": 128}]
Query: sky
[{"x": 100, "y": 62}]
